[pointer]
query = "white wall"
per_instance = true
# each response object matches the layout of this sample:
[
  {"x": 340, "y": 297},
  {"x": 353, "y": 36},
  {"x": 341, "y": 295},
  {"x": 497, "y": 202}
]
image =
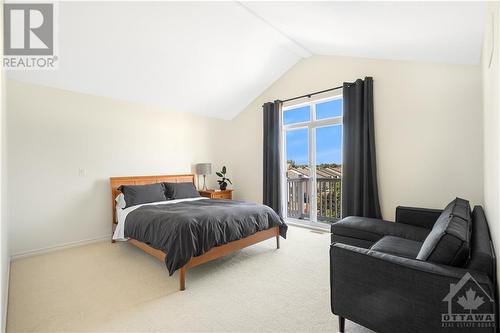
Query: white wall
[
  {"x": 4, "y": 246},
  {"x": 492, "y": 125},
  {"x": 4, "y": 230},
  {"x": 428, "y": 128},
  {"x": 52, "y": 134}
]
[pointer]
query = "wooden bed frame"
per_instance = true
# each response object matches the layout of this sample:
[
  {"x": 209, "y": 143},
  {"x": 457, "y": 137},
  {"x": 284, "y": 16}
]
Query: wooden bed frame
[{"x": 210, "y": 255}]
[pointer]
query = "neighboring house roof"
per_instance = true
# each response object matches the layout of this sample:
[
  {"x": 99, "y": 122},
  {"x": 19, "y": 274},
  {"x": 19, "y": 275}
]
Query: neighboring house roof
[
  {"x": 304, "y": 172},
  {"x": 292, "y": 173}
]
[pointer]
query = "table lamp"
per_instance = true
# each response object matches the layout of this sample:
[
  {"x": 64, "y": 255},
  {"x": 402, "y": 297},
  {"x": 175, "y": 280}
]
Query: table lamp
[{"x": 204, "y": 169}]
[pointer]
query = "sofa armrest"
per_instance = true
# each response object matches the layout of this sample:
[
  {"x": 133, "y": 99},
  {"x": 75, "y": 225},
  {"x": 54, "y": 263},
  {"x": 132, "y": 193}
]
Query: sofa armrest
[
  {"x": 419, "y": 217},
  {"x": 387, "y": 293}
]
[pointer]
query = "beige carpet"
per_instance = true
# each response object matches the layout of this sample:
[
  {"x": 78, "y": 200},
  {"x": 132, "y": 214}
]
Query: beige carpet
[{"x": 116, "y": 287}]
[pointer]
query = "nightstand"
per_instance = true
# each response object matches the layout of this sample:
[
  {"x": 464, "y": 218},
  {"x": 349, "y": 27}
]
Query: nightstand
[{"x": 226, "y": 194}]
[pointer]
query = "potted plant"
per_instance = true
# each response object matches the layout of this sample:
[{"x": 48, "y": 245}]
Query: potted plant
[{"x": 223, "y": 181}]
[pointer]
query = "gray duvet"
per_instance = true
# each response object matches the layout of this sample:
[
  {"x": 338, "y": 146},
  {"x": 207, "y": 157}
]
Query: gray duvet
[{"x": 188, "y": 229}]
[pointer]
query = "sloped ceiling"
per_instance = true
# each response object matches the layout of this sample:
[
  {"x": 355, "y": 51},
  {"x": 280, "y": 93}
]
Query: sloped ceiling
[
  {"x": 448, "y": 32},
  {"x": 206, "y": 58},
  {"x": 214, "y": 58}
]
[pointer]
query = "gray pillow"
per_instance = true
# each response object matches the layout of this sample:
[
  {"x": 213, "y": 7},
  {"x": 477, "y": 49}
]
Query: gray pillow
[
  {"x": 448, "y": 242},
  {"x": 180, "y": 190},
  {"x": 141, "y": 194}
]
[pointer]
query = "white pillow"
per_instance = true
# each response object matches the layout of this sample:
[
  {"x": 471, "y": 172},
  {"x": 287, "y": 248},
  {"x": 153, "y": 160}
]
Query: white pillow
[{"x": 120, "y": 201}]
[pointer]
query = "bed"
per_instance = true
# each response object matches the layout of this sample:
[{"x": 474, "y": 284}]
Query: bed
[{"x": 194, "y": 231}]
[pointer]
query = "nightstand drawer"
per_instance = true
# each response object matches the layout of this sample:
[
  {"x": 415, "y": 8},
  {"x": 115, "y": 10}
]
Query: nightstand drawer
[
  {"x": 223, "y": 195},
  {"x": 227, "y": 194}
]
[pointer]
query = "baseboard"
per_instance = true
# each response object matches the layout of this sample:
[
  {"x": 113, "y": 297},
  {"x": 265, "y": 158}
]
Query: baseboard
[
  {"x": 325, "y": 229},
  {"x": 35, "y": 252}
]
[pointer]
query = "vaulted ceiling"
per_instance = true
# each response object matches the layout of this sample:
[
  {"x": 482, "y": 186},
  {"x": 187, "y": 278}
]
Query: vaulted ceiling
[{"x": 214, "y": 58}]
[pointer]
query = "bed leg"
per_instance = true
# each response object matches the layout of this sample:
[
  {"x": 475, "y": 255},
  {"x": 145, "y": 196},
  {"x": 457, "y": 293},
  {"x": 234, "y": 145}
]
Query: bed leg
[
  {"x": 277, "y": 241},
  {"x": 113, "y": 241},
  {"x": 182, "y": 278}
]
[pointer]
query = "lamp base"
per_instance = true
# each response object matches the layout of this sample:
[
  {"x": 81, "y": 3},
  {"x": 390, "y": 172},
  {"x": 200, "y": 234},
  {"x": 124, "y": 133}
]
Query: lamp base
[{"x": 204, "y": 188}]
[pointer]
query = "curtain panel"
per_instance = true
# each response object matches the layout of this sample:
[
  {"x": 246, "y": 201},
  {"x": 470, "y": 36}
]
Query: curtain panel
[
  {"x": 359, "y": 170},
  {"x": 272, "y": 165}
]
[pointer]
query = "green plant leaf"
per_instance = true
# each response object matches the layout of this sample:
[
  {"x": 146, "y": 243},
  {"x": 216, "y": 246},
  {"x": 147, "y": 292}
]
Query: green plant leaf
[
  {"x": 219, "y": 174},
  {"x": 224, "y": 169}
]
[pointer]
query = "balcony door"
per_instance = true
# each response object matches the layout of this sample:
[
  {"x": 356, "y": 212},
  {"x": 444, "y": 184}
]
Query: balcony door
[{"x": 312, "y": 160}]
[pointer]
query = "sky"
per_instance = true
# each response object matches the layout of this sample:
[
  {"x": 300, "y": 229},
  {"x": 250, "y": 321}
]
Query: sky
[{"x": 328, "y": 138}]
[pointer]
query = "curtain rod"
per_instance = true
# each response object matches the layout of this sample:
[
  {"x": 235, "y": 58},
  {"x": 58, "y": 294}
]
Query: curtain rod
[{"x": 311, "y": 94}]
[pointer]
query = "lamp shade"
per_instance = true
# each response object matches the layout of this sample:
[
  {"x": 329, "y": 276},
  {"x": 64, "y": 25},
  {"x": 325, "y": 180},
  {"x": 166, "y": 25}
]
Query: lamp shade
[{"x": 203, "y": 168}]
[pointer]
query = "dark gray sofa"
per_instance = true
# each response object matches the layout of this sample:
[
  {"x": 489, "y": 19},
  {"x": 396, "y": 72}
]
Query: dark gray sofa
[{"x": 378, "y": 282}]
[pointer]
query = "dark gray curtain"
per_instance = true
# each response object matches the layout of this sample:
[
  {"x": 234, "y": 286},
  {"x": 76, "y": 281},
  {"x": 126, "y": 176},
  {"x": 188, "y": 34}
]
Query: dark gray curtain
[
  {"x": 359, "y": 170},
  {"x": 272, "y": 188}
]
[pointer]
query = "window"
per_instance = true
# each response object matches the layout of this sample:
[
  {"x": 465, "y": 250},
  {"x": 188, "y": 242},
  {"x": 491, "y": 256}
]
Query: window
[
  {"x": 297, "y": 115},
  {"x": 312, "y": 160},
  {"x": 329, "y": 109}
]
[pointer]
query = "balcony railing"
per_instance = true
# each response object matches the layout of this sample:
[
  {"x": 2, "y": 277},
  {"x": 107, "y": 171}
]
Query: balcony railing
[{"x": 328, "y": 198}]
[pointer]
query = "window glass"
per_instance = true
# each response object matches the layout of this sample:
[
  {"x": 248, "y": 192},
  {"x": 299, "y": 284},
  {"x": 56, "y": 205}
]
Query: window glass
[
  {"x": 297, "y": 146},
  {"x": 329, "y": 109},
  {"x": 297, "y": 115},
  {"x": 329, "y": 145},
  {"x": 297, "y": 174}
]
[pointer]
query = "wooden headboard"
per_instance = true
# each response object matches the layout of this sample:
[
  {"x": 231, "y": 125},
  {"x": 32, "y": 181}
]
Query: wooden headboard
[{"x": 116, "y": 182}]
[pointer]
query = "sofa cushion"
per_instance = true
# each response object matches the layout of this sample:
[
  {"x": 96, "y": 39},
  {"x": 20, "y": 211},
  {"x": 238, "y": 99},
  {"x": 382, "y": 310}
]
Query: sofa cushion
[
  {"x": 352, "y": 241},
  {"x": 448, "y": 242},
  {"x": 398, "y": 246},
  {"x": 370, "y": 229},
  {"x": 482, "y": 257}
]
